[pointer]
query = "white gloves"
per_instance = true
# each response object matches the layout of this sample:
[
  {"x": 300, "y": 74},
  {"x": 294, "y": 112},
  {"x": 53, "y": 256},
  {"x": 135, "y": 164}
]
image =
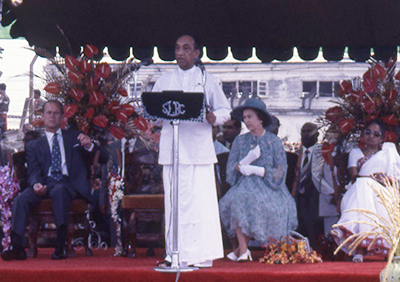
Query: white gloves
[
  {"x": 252, "y": 169},
  {"x": 251, "y": 156}
]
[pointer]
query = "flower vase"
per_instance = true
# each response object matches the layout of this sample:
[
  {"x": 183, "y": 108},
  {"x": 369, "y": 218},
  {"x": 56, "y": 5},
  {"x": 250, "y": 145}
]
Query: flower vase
[{"x": 393, "y": 269}]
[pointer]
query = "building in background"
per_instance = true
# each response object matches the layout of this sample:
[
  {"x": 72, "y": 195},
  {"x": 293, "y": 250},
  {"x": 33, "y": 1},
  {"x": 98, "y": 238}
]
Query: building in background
[{"x": 294, "y": 92}]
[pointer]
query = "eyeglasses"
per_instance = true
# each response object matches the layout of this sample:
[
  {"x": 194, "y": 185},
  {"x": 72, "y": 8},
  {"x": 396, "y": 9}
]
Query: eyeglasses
[{"x": 369, "y": 132}]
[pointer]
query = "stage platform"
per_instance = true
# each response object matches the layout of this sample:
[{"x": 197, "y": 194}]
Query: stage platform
[{"x": 103, "y": 267}]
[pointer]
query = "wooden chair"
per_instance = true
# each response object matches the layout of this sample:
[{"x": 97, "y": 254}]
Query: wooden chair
[
  {"x": 142, "y": 208},
  {"x": 43, "y": 215},
  {"x": 143, "y": 201}
]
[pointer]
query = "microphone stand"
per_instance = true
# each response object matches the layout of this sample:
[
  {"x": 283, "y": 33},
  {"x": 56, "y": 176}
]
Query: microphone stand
[{"x": 175, "y": 267}]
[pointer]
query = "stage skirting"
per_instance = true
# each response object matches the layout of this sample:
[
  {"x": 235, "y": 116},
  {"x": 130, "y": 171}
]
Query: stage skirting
[{"x": 103, "y": 267}]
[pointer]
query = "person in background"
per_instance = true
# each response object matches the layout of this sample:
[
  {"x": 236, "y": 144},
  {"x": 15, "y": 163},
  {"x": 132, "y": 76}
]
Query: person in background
[
  {"x": 4, "y": 104},
  {"x": 291, "y": 157},
  {"x": 231, "y": 129},
  {"x": 37, "y": 102},
  {"x": 368, "y": 167},
  {"x": 313, "y": 188}
]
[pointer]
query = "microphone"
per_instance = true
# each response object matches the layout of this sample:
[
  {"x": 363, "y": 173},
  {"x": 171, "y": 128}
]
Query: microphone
[
  {"x": 199, "y": 63},
  {"x": 145, "y": 62}
]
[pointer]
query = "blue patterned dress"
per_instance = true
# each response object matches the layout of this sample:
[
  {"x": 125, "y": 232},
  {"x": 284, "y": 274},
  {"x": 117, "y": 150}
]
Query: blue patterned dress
[{"x": 261, "y": 206}]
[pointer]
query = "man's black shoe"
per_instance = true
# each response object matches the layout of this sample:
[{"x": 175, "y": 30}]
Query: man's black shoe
[
  {"x": 59, "y": 253},
  {"x": 13, "y": 253}
]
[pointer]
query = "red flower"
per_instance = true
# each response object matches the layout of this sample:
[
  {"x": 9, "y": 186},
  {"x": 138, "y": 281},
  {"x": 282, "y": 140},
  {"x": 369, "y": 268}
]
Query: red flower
[
  {"x": 77, "y": 94},
  {"x": 391, "y": 94},
  {"x": 369, "y": 106},
  {"x": 117, "y": 131},
  {"x": 89, "y": 113},
  {"x": 397, "y": 76},
  {"x": 334, "y": 113},
  {"x": 90, "y": 50},
  {"x": 390, "y": 119},
  {"x": 71, "y": 62},
  {"x": 369, "y": 85},
  {"x": 53, "y": 88},
  {"x": 368, "y": 74},
  {"x": 357, "y": 97},
  {"x": 140, "y": 123},
  {"x": 75, "y": 76},
  {"x": 122, "y": 116},
  {"x": 113, "y": 107},
  {"x": 103, "y": 70},
  {"x": 345, "y": 87},
  {"x": 85, "y": 66},
  {"x": 128, "y": 109},
  {"x": 63, "y": 124},
  {"x": 122, "y": 92},
  {"x": 96, "y": 98},
  {"x": 92, "y": 83},
  {"x": 390, "y": 136},
  {"x": 346, "y": 125},
  {"x": 379, "y": 72},
  {"x": 100, "y": 121},
  {"x": 70, "y": 110},
  {"x": 327, "y": 150}
]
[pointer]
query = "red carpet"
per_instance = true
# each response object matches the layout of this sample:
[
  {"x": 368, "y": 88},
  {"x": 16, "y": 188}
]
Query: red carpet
[{"x": 103, "y": 267}]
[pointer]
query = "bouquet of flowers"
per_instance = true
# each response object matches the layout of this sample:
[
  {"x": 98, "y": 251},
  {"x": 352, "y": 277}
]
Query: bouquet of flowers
[
  {"x": 374, "y": 96},
  {"x": 115, "y": 195},
  {"x": 288, "y": 250},
  {"x": 9, "y": 188},
  {"x": 94, "y": 96}
]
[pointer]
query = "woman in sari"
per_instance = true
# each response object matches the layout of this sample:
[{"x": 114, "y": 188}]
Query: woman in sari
[
  {"x": 258, "y": 205},
  {"x": 367, "y": 168}
]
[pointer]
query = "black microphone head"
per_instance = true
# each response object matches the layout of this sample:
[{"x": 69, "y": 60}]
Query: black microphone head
[
  {"x": 197, "y": 62},
  {"x": 147, "y": 61}
]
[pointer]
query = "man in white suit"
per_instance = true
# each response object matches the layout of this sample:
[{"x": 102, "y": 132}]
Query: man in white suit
[{"x": 199, "y": 228}]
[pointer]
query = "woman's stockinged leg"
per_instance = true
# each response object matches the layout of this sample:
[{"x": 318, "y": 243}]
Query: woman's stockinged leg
[{"x": 243, "y": 241}]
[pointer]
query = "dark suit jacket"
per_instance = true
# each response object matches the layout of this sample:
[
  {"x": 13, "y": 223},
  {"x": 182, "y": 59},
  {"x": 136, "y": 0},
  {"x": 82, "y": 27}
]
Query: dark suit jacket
[{"x": 38, "y": 157}]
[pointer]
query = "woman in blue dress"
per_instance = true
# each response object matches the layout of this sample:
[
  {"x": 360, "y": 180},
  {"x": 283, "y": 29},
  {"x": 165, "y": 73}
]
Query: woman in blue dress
[{"x": 258, "y": 205}]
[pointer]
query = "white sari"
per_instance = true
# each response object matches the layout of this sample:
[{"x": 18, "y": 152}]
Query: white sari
[{"x": 361, "y": 196}]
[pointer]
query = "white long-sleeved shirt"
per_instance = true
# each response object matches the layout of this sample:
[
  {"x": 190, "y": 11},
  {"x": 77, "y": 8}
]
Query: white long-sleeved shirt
[{"x": 195, "y": 138}]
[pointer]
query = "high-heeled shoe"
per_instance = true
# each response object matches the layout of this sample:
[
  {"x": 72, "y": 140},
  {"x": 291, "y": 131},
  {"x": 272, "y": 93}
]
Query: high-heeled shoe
[
  {"x": 232, "y": 256},
  {"x": 245, "y": 257}
]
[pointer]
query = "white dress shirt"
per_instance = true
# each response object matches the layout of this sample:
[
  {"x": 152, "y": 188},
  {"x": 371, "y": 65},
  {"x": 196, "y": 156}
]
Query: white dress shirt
[{"x": 49, "y": 136}]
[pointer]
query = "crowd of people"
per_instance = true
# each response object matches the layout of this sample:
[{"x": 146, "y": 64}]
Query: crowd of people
[{"x": 248, "y": 184}]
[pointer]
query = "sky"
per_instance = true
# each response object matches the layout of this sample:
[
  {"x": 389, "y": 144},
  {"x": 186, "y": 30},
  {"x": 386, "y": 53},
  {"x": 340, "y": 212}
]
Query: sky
[{"x": 14, "y": 65}]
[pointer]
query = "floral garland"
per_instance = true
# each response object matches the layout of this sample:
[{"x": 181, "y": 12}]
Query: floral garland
[
  {"x": 9, "y": 189},
  {"x": 116, "y": 187},
  {"x": 374, "y": 96},
  {"x": 288, "y": 250},
  {"x": 93, "y": 94}
]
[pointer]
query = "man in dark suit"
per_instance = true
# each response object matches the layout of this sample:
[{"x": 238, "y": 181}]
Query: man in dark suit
[
  {"x": 307, "y": 187},
  {"x": 57, "y": 169}
]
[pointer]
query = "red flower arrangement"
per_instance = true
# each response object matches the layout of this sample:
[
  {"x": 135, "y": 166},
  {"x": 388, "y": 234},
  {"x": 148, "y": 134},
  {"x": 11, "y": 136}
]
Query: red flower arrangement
[
  {"x": 288, "y": 250},
  {"x": 374, "y": 96},
  {"x": 94, "y": 96}
]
